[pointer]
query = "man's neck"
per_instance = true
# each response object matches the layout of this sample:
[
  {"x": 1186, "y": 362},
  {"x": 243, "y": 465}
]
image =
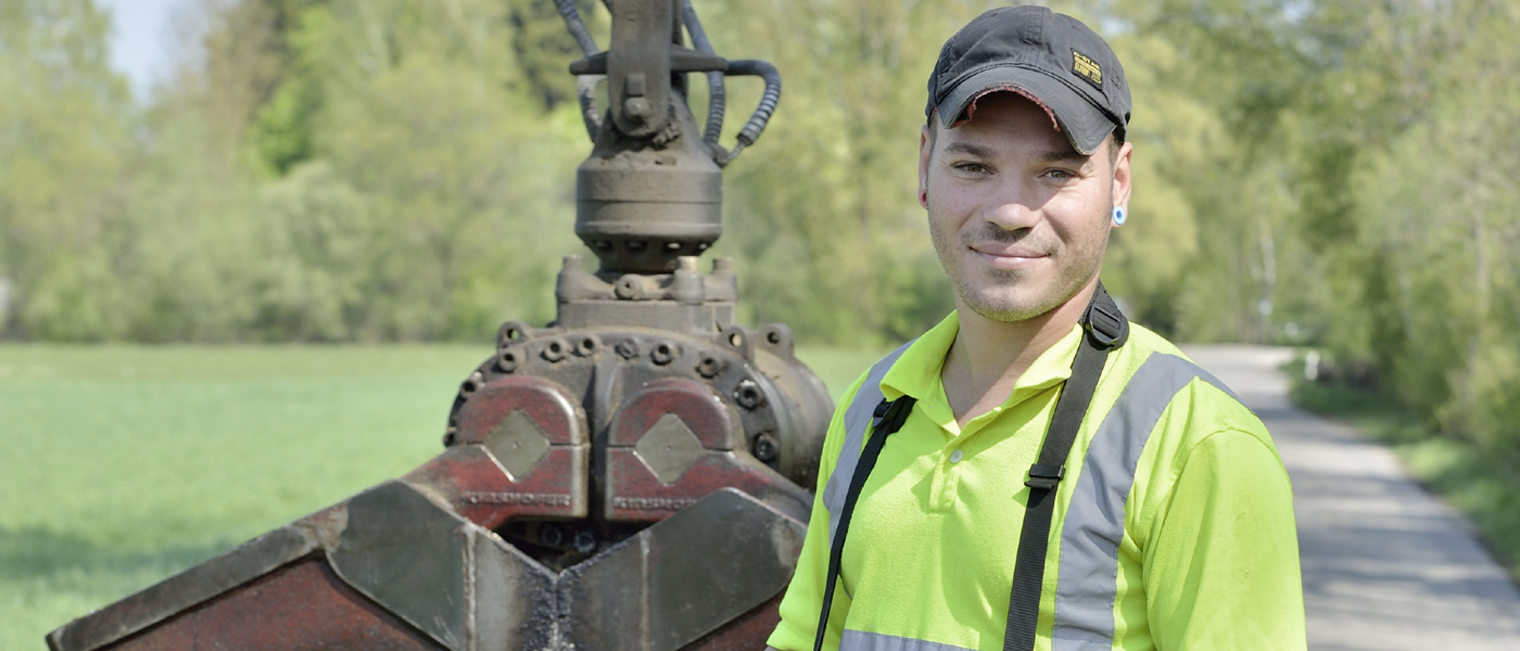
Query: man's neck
[{"x": 989, "y": 356}]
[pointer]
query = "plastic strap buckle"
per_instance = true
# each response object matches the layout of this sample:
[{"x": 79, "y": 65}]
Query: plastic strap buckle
[
  {"x": 1105, "y": 323},
  {"x": 1046, "y": 476}
]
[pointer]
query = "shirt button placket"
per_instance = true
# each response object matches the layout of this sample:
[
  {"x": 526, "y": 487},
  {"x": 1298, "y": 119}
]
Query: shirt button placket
[{"x": 949, "y": 476}]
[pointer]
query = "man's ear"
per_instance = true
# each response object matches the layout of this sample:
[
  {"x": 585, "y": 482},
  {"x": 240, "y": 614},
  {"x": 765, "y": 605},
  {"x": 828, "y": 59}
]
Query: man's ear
[
  {"x": 1121, "y": 187},
  {"x": 925, "y": 145}
]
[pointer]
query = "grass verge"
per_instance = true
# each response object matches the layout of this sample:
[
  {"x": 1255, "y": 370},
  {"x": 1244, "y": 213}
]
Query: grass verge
[{"x": 1484, "y": 489}]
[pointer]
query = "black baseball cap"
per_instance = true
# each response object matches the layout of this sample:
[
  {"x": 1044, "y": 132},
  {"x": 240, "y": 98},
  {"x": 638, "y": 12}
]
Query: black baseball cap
[{"x": 1049, "y": 58}]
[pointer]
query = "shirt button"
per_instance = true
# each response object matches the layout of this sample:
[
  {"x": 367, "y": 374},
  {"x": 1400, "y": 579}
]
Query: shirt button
[{"x": 955, "y": 457}]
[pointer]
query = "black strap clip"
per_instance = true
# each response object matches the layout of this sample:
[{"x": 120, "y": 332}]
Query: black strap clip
[
  {"x": 1104, "y": 322},
  {"x": 891, "y": 414},
  {"x": 1046, "y": 476}
]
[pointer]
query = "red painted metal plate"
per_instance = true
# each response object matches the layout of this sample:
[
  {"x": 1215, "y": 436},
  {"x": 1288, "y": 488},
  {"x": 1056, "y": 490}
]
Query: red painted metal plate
[
  {"x": 547, "y": 403},
  {"x": 747, "y": 632},
  {"x": 477, "y": 488},
  {"x": 301, "y": 607},
  {"x": 693, "y": 402}
]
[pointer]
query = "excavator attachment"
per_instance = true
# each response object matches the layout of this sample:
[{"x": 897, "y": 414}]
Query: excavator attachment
[
  {"x": 634, "y": 475},
  {"x": 393, "y": 568}
]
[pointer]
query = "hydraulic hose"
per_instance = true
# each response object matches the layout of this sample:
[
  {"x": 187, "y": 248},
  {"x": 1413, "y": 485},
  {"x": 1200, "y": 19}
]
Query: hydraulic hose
[
  {"x": 585, "y": 85},
  {"x": 585, "y": 95},
  {"x": 576, "y": 26},
  {"x": 762, "y": 115},
  {"x": 585, "y": 88},
  {"x": 716, "y": 96}
]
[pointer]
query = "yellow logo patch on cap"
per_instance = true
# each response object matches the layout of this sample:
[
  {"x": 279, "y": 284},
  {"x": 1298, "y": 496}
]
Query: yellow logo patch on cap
[{"x": 1086, "y": 68}]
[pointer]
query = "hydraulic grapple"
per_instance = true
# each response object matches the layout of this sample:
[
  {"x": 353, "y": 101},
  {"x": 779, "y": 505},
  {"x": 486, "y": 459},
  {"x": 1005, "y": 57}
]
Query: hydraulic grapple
[{"x": 634, "y": 475}]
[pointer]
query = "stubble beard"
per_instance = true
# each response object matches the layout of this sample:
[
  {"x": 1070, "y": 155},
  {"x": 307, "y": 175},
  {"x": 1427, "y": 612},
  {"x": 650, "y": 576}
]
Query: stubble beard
[{"x": 1072, "y": 274}]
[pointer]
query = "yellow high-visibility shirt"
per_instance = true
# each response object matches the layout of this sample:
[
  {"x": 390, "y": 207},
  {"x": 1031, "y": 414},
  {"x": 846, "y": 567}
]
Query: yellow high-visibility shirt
[{"x": 1204, "y": 553}]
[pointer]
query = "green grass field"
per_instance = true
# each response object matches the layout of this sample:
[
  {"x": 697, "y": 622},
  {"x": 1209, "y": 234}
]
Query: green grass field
[{"x": 124, "y": 465}]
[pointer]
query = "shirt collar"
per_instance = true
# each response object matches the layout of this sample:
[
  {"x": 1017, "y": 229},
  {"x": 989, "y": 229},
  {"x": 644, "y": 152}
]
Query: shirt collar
[{"x": 917, "y": 372}]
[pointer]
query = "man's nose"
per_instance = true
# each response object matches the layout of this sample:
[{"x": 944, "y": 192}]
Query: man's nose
[{"x": 1012, "y": 206}]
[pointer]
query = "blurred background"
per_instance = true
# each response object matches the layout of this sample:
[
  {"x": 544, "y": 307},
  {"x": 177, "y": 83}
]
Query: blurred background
[
  {"x": 1328, "y": 173},
  {"x": 397, "y": 176}
]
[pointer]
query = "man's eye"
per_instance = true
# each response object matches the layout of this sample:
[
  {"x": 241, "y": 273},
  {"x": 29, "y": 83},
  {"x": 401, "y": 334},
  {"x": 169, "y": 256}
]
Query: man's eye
[
  {"x": 1061, "y": 174},
  {"x": 970, "y": 168}
]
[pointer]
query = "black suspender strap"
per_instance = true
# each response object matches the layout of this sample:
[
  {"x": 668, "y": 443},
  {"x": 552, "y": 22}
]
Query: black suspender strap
[
  {"x": 1106, "y": 329},
  {"x": 887, "y": 419}
]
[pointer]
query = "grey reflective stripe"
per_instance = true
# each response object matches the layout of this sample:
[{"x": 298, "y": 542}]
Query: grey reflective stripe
[
  {"x": 857, "y": 418},
  {"x": 1094, "y": 522},
  {"x": 863, "y": 641}
]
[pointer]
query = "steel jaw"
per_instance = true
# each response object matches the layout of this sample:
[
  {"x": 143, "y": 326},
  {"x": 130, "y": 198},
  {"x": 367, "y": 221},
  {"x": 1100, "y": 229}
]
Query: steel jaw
[{"x": 395, "y": 568}]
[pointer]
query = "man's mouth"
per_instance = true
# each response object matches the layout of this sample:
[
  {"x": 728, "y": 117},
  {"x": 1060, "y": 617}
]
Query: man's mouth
[{"x": 1004, "y": 256}]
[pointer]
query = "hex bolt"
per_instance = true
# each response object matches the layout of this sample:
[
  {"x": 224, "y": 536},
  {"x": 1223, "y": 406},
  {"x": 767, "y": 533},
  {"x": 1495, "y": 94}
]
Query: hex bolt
[
  {"x": 766, "y": 447},
  {"x": 585, "y": 542},
  {"x": 709, "y": 367},
  {"x": 628, "y": 348},
  {"x": 663, "y": 354},
  {"x": 507, "y": 361},
  {"x": 748, "y": 394},
  {"x": 471, "y": 384},
  {"x": 637, "y": 108},
  {"x": 586, "y": 347},
  {"x": 554, "y": 351}
]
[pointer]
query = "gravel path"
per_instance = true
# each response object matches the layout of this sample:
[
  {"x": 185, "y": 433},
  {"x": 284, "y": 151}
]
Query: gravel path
[{"x": 1386, "y": 565}]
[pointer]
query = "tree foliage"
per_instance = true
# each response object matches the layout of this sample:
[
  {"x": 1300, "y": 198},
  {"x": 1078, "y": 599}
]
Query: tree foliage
[
  {"x": 1329, "y": 173},
  {"x": 64, "y": 149}
]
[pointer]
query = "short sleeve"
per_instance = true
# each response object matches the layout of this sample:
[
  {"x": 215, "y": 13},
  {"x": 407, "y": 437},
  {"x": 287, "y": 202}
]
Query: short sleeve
[{"x": 1222, "y": 568}]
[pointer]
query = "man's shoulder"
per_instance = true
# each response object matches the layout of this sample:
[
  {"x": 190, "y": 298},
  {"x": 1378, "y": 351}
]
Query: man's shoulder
[
  {"x": 1144, "y": 357},
  {"x": 873, "y": 374},
  {"x": 1148, "y": 354},
  {"x": 1143, "y": 342},
  {"x": 1197, "y": 401}
]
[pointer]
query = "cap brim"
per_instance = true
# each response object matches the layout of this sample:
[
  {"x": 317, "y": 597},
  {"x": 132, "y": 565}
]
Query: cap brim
[{"x": 1084, "y": 125}]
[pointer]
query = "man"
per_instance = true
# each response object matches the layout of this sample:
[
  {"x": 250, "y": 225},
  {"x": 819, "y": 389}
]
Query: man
[{"x": 1169, "y": 523}]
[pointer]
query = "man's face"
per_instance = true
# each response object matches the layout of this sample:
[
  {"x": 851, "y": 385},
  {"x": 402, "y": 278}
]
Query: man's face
[{"x": 1019, "y": 218}]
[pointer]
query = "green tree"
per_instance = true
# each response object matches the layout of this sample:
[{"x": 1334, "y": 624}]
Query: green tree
[
  {"x": 1441, "y": 206},
  {"x": 823, "y": 214},
  {"x": 64, "y": 147},
  {"x": 471, "y": 219}
]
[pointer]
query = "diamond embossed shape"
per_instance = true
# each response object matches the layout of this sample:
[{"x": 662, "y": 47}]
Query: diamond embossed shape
[
  {"x": 518, "y": 444},
  {"x": 669, "y": 448}
]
